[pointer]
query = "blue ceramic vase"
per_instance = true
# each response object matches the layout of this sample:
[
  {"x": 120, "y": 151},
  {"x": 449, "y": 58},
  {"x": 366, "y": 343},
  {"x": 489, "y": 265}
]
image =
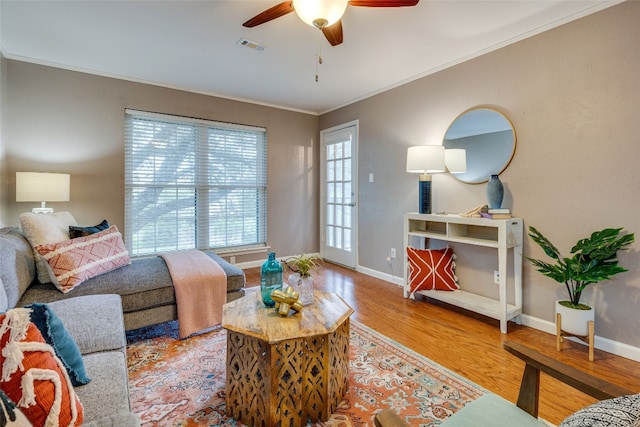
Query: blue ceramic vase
[{"x": 495, "y": 192}]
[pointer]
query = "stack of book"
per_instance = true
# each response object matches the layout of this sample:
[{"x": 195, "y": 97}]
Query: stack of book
[{"x": 497, "y": 213}]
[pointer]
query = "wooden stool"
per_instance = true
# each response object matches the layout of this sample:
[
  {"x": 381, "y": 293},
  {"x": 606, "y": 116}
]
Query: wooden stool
[{"x": 560, "y": 334}]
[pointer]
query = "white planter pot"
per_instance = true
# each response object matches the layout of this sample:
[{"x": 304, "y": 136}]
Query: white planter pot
[
  {"x": 304, "y": 287},
  {"x": 294, "y": 280},
  {"x": 574, "y": 321}
]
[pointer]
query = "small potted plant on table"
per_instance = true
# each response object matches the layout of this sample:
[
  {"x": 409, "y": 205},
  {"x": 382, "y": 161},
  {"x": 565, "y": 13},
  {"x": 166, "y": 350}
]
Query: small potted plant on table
[
  {"x": 300, "y": 278},
  {"x": 593, "y": 260}
]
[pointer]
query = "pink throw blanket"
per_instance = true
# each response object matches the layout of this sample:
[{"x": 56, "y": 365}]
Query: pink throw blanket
[{"x": 201, "y": 290}]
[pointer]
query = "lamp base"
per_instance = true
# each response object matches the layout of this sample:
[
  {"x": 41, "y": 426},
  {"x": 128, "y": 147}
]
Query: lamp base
[
  {"x": 42, "y": 210},
  {"x": 424, "y": 192}
]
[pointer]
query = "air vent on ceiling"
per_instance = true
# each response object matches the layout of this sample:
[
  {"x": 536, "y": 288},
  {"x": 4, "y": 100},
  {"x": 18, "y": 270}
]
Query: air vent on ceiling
[{"x": 250, "y": 44}]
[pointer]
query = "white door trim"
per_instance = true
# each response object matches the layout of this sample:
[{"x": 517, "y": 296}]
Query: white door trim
[{"x": 353, "y": 262}]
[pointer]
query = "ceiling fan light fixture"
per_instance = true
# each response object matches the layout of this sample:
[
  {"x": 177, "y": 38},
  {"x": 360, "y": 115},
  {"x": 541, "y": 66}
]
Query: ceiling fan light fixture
[{"x": 320, "y": 13}]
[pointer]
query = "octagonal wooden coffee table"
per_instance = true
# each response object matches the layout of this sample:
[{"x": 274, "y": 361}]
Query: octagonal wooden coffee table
[{"x": 286, "y": 370}]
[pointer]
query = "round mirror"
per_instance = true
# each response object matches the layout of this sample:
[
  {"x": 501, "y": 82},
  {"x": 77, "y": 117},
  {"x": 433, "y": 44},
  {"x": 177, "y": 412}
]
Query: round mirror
[{"x": 489, "y": 140}]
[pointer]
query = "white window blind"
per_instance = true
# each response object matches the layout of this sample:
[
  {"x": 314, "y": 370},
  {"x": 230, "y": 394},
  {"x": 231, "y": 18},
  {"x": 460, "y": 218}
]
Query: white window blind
[{"x": 193, "y": 183}]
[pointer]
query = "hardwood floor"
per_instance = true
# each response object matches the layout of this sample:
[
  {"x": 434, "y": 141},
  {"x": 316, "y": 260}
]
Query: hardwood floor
[{"x": 467, "y": 343}]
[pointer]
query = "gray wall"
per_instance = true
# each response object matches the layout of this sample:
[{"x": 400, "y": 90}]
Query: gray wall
[
  {"x": 65, "y": 121},
  {"x": 573, "y": 95}
]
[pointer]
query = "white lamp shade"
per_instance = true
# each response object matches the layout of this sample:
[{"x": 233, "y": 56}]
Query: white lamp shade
[
  {"x": 326, "y": 11},
  {"x": 42, "y": 187},
  {"x": 456, "y": 160},
  {"x": 425, "y": 159}
]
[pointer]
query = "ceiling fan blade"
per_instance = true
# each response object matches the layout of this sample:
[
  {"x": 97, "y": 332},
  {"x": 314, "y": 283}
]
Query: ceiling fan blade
[
  {"x": 383, "y": 3},
  {"x": 333, "y": 33},
  {"x": 272, "y": 13}
]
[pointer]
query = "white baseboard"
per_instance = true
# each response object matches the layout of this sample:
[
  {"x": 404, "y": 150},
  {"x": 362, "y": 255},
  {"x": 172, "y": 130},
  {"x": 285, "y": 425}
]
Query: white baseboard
[
  {"x": 380, "y": 275},
  {"x": 604, "y": 344}
]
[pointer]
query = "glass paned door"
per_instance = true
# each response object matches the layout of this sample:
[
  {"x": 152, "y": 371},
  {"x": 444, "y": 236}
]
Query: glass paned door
[{"x": 339, "y": 194}]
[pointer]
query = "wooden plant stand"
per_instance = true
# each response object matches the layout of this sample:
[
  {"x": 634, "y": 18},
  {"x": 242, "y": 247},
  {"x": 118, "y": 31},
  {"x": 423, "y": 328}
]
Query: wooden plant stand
[{"x": 560, "y": 334}]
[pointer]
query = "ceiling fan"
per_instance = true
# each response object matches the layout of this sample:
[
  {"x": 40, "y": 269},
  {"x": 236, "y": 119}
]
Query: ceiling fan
[{"x": 323, "y": 14}]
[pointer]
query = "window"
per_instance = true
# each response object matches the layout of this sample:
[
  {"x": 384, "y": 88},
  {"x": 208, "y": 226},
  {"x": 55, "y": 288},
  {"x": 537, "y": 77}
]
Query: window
[{"x": 193, "y": 183}]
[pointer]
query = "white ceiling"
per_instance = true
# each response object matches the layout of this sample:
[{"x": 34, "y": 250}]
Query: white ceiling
[{"x": 193, "y": 45}]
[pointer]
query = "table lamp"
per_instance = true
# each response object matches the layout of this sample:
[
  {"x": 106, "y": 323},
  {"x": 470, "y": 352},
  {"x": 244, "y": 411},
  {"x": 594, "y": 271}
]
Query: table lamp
[
  {"x": 42, "y": 187},
  {"x": 425, "y": 160}
]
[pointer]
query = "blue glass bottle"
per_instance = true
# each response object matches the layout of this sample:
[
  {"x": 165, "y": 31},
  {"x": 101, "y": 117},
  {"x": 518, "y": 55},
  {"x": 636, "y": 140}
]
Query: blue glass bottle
[{"x": 270, "y": 279}]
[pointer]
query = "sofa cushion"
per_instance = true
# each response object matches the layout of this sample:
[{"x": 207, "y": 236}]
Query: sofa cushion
[
  {"x": 491, "y": 410},
  {"x": 4, "y": 302},
  {"x": 121, "y": 419},
  {"x": 623, "y": 411},
  {"x": 57, "y": 336},
  {"x": 108, "y": 392},
  {"x": 94, "y": 321},
  {"x": 77, "y": 260},
  {"x": 143, "y": 284},
  {"x": 17, "y": 265},
  {"x": 77, "y": 231},
  {"x": 43, "y": 228},
  {"x": 33, "y": 376}
]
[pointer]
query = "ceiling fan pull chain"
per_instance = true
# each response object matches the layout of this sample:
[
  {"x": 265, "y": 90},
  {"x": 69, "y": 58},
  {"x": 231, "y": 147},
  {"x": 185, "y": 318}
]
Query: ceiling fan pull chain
[{"x": 318, "y": 54}]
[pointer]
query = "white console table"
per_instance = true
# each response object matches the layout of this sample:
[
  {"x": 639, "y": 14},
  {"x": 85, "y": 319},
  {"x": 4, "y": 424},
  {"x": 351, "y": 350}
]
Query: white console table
[{"x": 501, "y": 234}]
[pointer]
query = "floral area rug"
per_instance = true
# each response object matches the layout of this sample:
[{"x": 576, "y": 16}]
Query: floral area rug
[{"x": 176, "y": 382}]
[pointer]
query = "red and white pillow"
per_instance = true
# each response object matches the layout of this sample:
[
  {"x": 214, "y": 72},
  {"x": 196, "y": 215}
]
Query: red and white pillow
[
  {"x": 33, "y": 376},
  {"x": 431, "y": 269},
  {"x": 76, "y": 260}
]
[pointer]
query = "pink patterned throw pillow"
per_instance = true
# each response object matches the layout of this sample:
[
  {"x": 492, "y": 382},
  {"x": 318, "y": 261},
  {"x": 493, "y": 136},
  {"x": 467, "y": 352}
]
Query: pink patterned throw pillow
[{"x": 76, "y": 260}]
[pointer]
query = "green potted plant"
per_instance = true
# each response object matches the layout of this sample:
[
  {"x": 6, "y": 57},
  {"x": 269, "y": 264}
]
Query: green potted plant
[
  {"x": 300, "y": 278},
  {"x": 593, "y": 260}
]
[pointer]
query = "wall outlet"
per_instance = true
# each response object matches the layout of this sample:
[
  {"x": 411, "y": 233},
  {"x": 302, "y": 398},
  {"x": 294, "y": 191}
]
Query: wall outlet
[
  {"x": 496, "y": 277},
  {"x": 392, "y": 253}
]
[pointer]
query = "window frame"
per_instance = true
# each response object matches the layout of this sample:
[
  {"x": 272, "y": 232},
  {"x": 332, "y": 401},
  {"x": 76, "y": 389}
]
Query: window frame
[{"x": 232, "y": 187}]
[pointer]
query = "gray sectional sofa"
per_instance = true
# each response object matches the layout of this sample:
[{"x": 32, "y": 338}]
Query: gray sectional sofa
[
  {"x": 96, "y": 313},
  {"x": 145, "y": 285}
]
